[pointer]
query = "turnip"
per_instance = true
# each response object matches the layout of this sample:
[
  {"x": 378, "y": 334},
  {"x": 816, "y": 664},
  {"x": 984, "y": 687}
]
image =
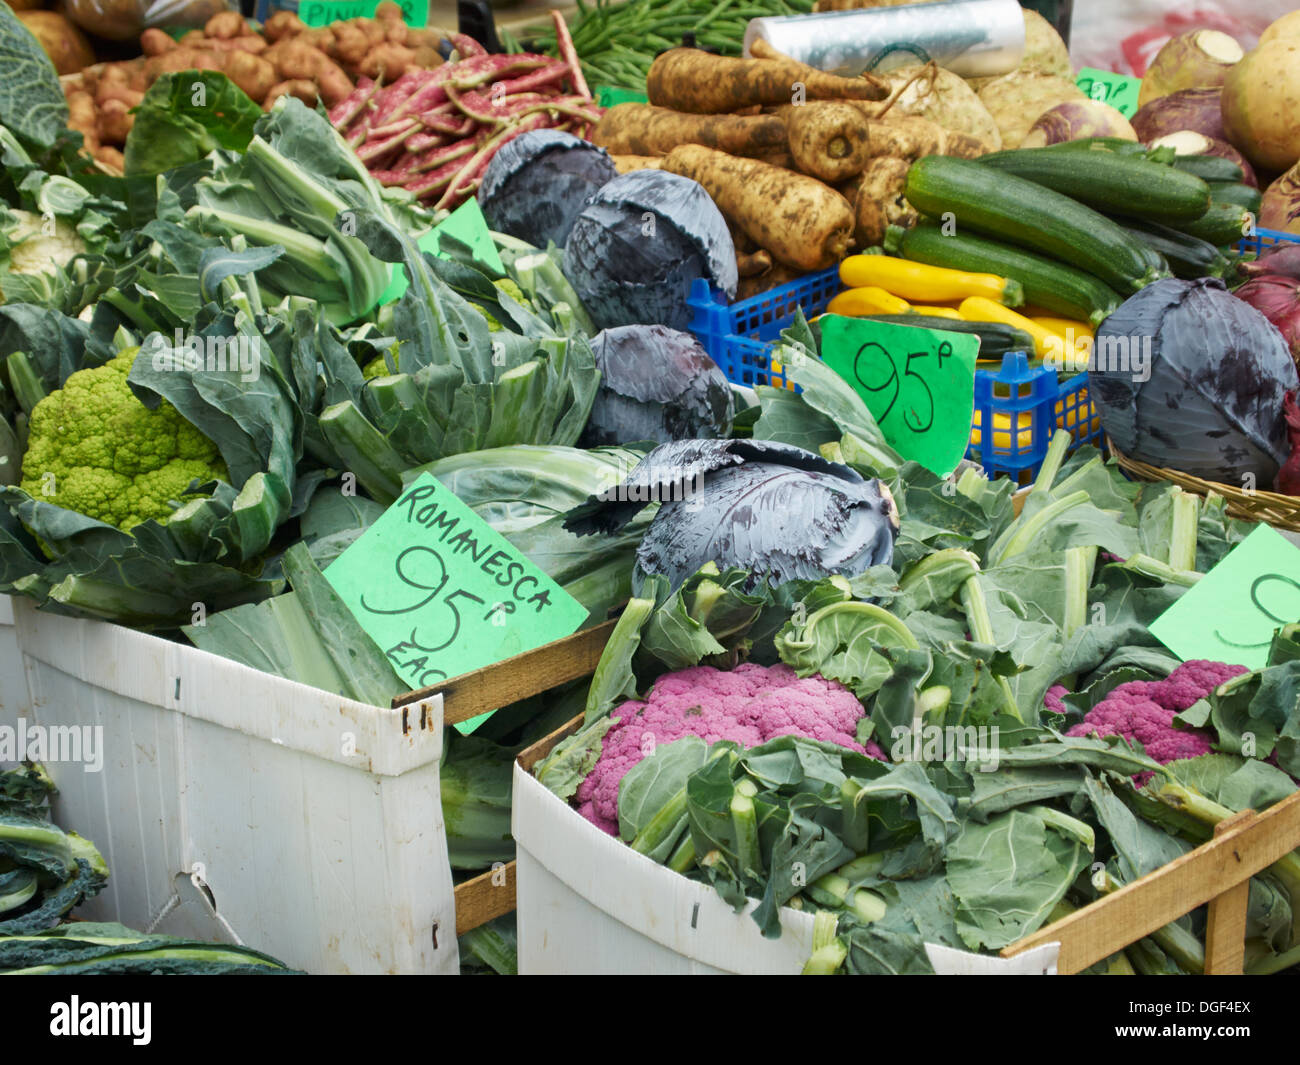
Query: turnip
[
  {"x": 1261, "y": 98},
  {"x": 1077, "y": 120},
  {"x": 1281, "y": 207},
  {"x": 1189, "y": 142},
  {"x": 1194, "y": 109},
  {"x": 1200, "y": 59}
]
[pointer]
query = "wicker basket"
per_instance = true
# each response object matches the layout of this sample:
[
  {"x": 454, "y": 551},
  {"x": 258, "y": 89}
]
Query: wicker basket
[{"x": 1282, "y": 512}]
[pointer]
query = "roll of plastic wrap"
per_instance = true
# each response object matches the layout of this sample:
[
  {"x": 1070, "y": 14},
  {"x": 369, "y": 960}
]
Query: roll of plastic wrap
[{"x": 973, "y": 38}]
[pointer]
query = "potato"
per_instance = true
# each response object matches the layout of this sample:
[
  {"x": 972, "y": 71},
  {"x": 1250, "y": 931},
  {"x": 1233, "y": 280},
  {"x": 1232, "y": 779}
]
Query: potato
[
  {"x": 944, "y": 98},
  {"x": 1197, "y": 60},
  {"x": 66, "y": 45},
  {"x": 1016, "y": 100},
  {"x": 251, "y": 73},
  {"x": 1261, "y": 98},
  {"x": 1075, "y": 121}
]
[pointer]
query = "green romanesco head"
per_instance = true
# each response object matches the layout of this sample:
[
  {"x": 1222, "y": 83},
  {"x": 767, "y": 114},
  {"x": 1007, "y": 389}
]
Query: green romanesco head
[
  {"x": 508, "y": 286},
  {"x": 96, "y": 449}
]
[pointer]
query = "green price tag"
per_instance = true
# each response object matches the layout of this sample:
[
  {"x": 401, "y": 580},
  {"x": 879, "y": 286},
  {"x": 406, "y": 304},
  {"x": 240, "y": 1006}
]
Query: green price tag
[
  {"x": 1229, "y": 614},
  {"x": 919, "y": 384},
  {"x": 442, "y": 593},
  {"x": 1118, "y": 90},
  {"x": 610, "y": 96},
  {"x": 323, "y": 12},
  {"x": 467, "y": 224}
]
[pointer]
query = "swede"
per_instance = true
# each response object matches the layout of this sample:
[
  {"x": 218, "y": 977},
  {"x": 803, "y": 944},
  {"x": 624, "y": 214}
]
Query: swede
[
  {"x": 1285, "y": 28},
  {"x": 1200, "y": 59},
  {"x": 1077, "y": 120},
  {"x": 1261, "y": 98},
  {"x": 1189, "y": 142},
  {"x": 1281, "y": 207},
  {"x": 1194, "y": 109}
]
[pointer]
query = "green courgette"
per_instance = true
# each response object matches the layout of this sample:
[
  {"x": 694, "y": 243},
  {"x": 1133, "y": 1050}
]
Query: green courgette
[
  {"x": 1189, "y": 257},
  {"x": 1223, "y": 223},
  {"x": 1209, "y": 167},
  {"x": 1118, "y": 145},
  {"x": 1017, "y": 211},
  {"x": 996, "y": 338},
  {"x": 1047, "y": 284},
  {"x": 1116, "y": 184},
  {"x": 1242, "y": 195}
]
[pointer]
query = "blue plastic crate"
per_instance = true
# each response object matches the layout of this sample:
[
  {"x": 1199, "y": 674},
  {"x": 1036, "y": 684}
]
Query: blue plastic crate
[
  {"x": 1025, "y": 406},
  {"x": 740, "y": 337},
  {"x": 1265, "y": 239}
]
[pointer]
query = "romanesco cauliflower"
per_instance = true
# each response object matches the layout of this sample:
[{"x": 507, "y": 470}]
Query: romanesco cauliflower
[{"x": 96, "y": 449}]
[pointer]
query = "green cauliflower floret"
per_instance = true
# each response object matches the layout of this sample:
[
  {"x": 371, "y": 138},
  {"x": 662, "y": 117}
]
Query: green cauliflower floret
[
  {"x": 512, "y": 290},
  {"x": 508, "y": 286},
  {"x": 493, "y": 325},
  {"x": 96, "y": 449}
]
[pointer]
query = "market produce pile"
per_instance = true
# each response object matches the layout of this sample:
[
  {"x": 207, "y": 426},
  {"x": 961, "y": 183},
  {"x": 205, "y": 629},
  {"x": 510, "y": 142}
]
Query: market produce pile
[
  {"x": 226, "y": 349},
  {"x": 958, "y": 744}
]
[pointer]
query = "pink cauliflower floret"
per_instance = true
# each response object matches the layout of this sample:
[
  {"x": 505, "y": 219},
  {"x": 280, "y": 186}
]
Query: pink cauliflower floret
[
  {"x": 750, "y": 705},
  {"x": 1052, "y": 700},
  {"x": 1144, "y": 710}
]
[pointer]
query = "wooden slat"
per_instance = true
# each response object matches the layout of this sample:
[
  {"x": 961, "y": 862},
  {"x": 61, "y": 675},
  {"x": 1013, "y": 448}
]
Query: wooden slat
[
  {"x": 530, "y": 673},
  {"x": 487, "y": 896},
  {"x": 1225, "y": 930},
  {"x": 1138, "y": 909},
  {"x": 530, "y": 756}
]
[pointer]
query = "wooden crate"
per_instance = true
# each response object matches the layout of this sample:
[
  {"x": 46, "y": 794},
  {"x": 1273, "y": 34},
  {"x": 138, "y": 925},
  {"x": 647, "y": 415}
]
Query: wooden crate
[
  {"x": 492, "y": 894},
  {"x": 1217, "y": 872}
]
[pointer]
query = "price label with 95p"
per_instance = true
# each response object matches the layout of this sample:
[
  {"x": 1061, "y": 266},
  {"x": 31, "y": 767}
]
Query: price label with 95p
[
  {"x": 442, "y": 593},
  {"x": 919, "y": 384}
]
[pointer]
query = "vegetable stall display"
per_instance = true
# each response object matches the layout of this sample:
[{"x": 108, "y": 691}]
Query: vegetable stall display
[
  {"x": 218, "y": 371},
  {"x": 1100, "y": 763}
]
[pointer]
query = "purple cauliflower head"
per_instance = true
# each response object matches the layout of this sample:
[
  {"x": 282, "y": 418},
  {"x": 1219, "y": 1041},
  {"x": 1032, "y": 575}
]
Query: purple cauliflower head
[
  {"x": 1144, "y": 710},
  {"x": 750, "y": 704}
]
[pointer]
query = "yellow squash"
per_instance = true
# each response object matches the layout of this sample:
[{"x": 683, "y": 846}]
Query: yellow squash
[{"x": 929, "y": 284}]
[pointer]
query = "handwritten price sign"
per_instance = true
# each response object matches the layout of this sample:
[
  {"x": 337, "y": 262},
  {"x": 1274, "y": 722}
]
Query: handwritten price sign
[
  {"x": 919, "y": 384},
  {"x": 1229, "y": 614},
  {"x": 1118, "y": 90},
  {"x": 323, "y": 12},
  {"x": 442, "y": 593}
]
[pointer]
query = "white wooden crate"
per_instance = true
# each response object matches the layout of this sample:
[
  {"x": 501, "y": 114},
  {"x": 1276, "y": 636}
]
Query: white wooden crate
[{"x": 240, "y": 806}]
